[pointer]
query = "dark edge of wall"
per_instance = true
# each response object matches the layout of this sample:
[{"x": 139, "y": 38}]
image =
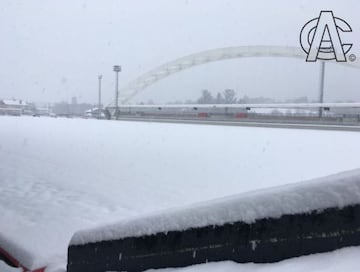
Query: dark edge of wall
[{"x": 265, "y": 241}]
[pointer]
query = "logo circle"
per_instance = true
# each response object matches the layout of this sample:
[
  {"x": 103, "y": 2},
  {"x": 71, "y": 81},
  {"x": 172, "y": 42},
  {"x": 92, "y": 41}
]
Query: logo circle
[{"x": 352, "y": 57}]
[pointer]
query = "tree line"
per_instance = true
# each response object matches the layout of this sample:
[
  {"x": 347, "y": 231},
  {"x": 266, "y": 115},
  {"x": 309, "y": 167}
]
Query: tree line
[{"x": 228, "y": 96}]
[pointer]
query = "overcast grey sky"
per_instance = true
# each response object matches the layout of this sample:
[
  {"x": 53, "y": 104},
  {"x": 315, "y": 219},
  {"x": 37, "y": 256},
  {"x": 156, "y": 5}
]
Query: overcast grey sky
[{"x": 53, "y": 50}]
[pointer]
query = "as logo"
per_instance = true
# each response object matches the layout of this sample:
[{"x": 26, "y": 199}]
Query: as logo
[{"x": 320, "y": 38}]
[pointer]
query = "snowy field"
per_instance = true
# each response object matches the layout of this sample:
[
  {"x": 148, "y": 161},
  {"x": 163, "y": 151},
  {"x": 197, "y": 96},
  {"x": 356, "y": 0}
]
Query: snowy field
[{"x": 61, "y": 175}]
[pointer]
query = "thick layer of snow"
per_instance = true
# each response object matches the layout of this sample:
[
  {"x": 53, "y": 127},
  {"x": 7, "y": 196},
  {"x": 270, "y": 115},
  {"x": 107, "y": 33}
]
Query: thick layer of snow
[
  {"x": 344, "y": 260},
  {"x": 328, "y": 192},
  {"x": 58, "y": 176}
]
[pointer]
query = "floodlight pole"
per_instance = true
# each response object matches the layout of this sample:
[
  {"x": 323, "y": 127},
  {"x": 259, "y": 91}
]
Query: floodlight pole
[
  {"x": 117, "y": 69},
  {"x": 322, "y": 79},
  {"x": 99, "y": 104}
]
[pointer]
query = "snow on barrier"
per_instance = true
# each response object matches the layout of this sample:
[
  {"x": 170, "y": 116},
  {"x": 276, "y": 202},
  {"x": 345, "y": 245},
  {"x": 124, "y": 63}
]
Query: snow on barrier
[{"x": 264, "y": 226}]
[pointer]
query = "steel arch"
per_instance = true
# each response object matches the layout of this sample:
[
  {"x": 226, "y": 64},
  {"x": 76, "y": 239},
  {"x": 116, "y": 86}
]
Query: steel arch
[{"x": 172, "y": 67}]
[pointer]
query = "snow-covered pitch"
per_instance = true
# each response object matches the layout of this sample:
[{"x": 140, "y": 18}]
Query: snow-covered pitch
[{"x": 59, "y": 176}]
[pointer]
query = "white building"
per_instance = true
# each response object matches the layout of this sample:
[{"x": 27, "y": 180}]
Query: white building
[{"x": 13, "y": 107}]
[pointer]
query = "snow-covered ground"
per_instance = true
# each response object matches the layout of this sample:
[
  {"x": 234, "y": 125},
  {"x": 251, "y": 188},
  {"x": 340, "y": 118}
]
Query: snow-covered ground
[{"x": 61, "y": 175}]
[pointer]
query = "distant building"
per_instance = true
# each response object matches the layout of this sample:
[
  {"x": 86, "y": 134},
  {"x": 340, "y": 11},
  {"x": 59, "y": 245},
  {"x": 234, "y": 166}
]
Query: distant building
[
  {"x": 74, "y": 100},
  {"x": 95, "y": 113},
  {"x": 14, "y": 103},
  {"x": 13, "y": 107},
  {"x": 73, "y": 109},
  {"x": 43, "y": 111}
]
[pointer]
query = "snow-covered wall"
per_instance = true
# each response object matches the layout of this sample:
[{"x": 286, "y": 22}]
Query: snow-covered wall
[
  {"x": 333, "y": 191},
  {"x": 265, "y": 226}
]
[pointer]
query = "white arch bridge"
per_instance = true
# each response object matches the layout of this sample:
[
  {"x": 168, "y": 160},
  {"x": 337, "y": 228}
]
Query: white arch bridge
[{"x": 178, "y": 65}]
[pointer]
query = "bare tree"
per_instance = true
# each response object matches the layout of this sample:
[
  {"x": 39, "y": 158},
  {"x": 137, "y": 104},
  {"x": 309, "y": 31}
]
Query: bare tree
[
  {"x": 219, "y": 99},
  {"x": 206, "y": 97},
  {"x": 229, "y": 96}
]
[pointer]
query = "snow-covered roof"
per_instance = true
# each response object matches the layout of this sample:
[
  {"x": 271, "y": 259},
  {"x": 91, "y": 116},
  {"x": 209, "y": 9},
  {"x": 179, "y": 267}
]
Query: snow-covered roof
[
  {"x": 14, "y": 102},
  {"x": 338, "y": 190},
  {"x": 92, "y": 110}
]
